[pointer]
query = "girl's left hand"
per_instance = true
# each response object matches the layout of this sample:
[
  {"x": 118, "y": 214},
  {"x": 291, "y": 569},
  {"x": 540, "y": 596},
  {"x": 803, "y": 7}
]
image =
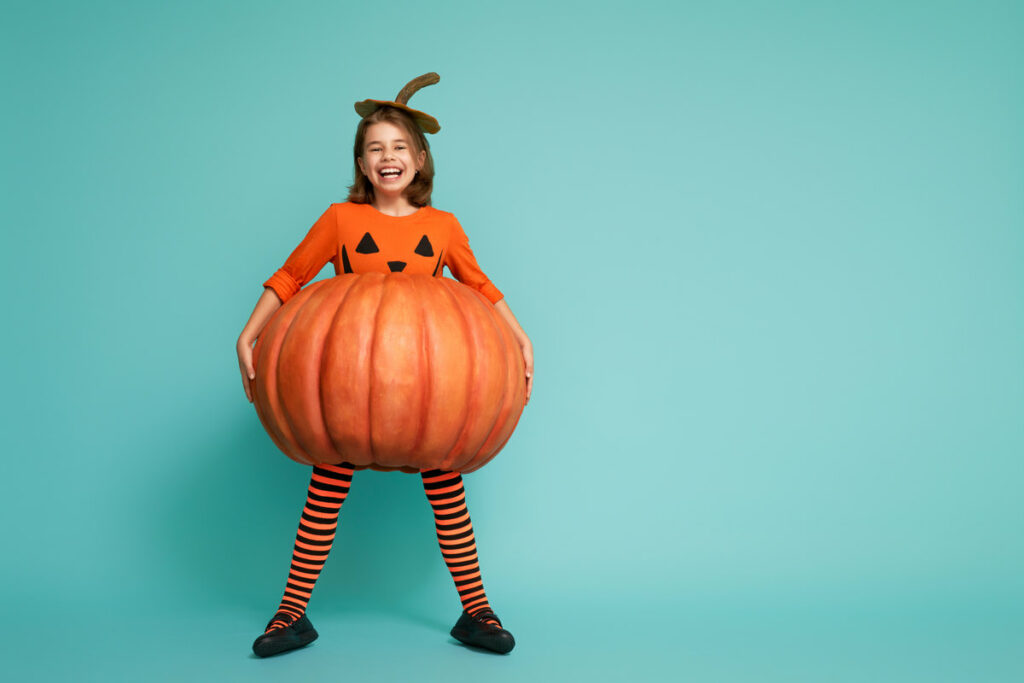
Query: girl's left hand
[{"x": 528, "y": 359}]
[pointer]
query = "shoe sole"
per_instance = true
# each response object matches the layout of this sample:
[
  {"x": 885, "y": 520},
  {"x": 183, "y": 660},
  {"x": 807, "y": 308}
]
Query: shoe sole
[
  {"x": 283, "y": 643},
  {"x": 500, "y": 645}
]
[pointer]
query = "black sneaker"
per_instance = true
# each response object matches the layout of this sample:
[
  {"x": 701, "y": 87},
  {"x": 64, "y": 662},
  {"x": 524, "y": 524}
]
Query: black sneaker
[
  {"x": 475, "y": 631},
  {"x": 284, "y": 638}
]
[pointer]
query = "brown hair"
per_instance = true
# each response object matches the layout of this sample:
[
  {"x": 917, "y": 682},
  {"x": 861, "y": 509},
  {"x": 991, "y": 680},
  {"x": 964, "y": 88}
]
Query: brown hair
[{"x": 418, "y": 192}]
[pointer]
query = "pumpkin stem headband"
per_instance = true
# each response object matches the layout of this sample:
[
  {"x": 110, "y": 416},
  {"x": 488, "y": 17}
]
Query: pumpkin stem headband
[{"x": 426, "y": 122}]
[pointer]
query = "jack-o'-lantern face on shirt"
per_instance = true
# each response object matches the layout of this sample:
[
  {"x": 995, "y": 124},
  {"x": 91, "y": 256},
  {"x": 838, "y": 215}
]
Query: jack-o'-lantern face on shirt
[
  {"x": 400, "y": 250},
  {"x": 404, "y": 252},
  {"x": 389, "y": 160}
]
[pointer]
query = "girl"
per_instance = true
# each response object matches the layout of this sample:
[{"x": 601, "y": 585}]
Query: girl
[{"x": 389, "y": 225}]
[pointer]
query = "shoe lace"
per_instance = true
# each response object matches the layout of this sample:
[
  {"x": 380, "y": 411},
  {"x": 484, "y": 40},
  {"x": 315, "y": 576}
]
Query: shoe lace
[
  {"x": 485, "y": 614},
  {"x": 284, "y": 617}
]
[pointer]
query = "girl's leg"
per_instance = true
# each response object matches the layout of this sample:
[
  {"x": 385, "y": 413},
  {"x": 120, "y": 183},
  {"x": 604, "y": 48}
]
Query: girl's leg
[
  {"x": 328, "y": 489},
  {"x": 455, "y": 535}
]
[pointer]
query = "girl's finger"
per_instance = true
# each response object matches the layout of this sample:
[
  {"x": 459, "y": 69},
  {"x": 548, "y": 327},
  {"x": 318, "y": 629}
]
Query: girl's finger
[{"x": 247, "y": 374}]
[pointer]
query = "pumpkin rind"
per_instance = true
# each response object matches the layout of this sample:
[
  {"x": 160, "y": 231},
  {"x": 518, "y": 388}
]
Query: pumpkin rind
[{"x": 389, "y": 371}]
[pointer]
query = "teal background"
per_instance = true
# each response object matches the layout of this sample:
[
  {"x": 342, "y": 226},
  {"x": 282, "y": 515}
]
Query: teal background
[{"x": 769, "y": 255}]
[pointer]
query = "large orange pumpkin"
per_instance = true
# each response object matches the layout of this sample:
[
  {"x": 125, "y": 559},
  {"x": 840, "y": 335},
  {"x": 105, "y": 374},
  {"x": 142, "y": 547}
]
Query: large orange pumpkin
[{"x": 391, "y": 372}]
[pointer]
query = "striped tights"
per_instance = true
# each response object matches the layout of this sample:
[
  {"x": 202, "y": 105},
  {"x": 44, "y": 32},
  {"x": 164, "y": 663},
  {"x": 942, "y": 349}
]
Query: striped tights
[{"x": 328, "y": 488}]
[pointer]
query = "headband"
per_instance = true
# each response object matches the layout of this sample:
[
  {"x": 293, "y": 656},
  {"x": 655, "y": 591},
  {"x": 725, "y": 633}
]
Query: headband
[{"x": 426, "y": 122}]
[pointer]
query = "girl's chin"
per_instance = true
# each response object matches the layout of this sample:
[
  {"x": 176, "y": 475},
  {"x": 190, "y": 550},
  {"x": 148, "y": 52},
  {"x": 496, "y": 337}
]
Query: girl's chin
[{"x": 391, "y": 190}]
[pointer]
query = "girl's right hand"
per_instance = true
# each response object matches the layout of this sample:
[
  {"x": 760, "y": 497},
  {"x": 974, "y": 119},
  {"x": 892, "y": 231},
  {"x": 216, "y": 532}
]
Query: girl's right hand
[{"x": 245, "y": 366}]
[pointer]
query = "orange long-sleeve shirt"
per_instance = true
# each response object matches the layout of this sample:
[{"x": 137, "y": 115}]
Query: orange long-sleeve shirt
[{"x": 358, "y": 238}]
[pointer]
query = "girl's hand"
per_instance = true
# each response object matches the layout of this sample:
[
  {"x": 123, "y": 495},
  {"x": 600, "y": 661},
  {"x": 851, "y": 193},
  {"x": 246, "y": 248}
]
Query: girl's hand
[
  {"x": 528, "y": 359},
  {"x": 245, "y": 366},
  {"x": 524, "y": 342},
  {"x": 269, "y": 303}
]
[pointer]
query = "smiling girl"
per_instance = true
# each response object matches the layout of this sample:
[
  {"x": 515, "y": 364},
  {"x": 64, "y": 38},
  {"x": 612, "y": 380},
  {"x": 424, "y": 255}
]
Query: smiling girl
[{"x": 387, "y": 225}]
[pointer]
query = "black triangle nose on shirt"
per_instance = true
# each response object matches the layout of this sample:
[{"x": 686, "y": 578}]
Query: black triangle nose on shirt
[{"x": 396, "y": 266}]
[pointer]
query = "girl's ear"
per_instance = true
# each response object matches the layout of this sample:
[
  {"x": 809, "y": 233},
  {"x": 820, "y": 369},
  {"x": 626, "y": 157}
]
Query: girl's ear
[
  {"x": 359, "y": 160},
  {"x": 422, "y": 159}
]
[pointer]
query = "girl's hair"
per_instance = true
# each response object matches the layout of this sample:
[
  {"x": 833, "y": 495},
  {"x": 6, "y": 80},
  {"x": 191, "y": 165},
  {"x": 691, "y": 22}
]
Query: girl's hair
[{"x": 418, "y": 192}]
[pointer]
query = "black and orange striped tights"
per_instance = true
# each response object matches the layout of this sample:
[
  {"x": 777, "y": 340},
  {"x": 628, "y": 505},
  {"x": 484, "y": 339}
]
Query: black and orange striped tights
[{"x": 328, "y": 489}]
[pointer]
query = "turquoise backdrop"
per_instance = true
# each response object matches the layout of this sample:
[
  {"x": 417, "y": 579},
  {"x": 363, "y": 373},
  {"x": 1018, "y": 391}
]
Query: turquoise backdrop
[{"x": 770, "y": 258}]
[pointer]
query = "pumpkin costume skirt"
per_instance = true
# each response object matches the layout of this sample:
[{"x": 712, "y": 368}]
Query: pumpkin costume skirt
[{"x": 392, "y": 372}]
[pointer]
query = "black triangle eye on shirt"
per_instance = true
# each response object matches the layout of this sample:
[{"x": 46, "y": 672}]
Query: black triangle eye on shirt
[
  {"x": 424, "y": 248},
  {"x": 367, "y": 245}
]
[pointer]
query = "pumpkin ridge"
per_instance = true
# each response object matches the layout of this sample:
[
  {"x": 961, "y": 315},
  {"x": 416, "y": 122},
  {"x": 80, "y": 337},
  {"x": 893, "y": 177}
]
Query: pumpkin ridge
[
  {"x": 350, "y": 370},
  {"x": 426, "y": 393},
  {"x": 499, "y": 415},
  {"x": 446, "y": 463},
  {"x": 519, "y": 394},
  {"x": 265, "y": 394},
  {"x": 323, "y": 359},
  {"x": 280, "y": 411},
  {"x": 517, "y": 390},
  {"x": 282, "y": 414},
  {"x": 307, "y": 308},
  {"x": 369, "y": 366},
  {"x": 496, "y": 414},
  {"x": 508, "y": 436}
]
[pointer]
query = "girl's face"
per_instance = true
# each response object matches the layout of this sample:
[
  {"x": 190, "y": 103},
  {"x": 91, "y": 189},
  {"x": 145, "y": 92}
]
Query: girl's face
[{"x": 389, "y": 160}]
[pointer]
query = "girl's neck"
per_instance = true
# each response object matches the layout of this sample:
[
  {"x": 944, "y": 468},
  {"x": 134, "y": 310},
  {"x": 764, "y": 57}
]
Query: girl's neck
[{"x": 394, "y": 206}]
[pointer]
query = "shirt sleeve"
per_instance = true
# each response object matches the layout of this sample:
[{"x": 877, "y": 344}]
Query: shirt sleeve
[
  {"x": 318, "y": 247},
  {"x": 463, "y": 265}
]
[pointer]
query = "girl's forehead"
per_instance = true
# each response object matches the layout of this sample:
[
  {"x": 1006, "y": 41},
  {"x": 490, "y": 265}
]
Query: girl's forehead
[{"x": 382, "y": 131}]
